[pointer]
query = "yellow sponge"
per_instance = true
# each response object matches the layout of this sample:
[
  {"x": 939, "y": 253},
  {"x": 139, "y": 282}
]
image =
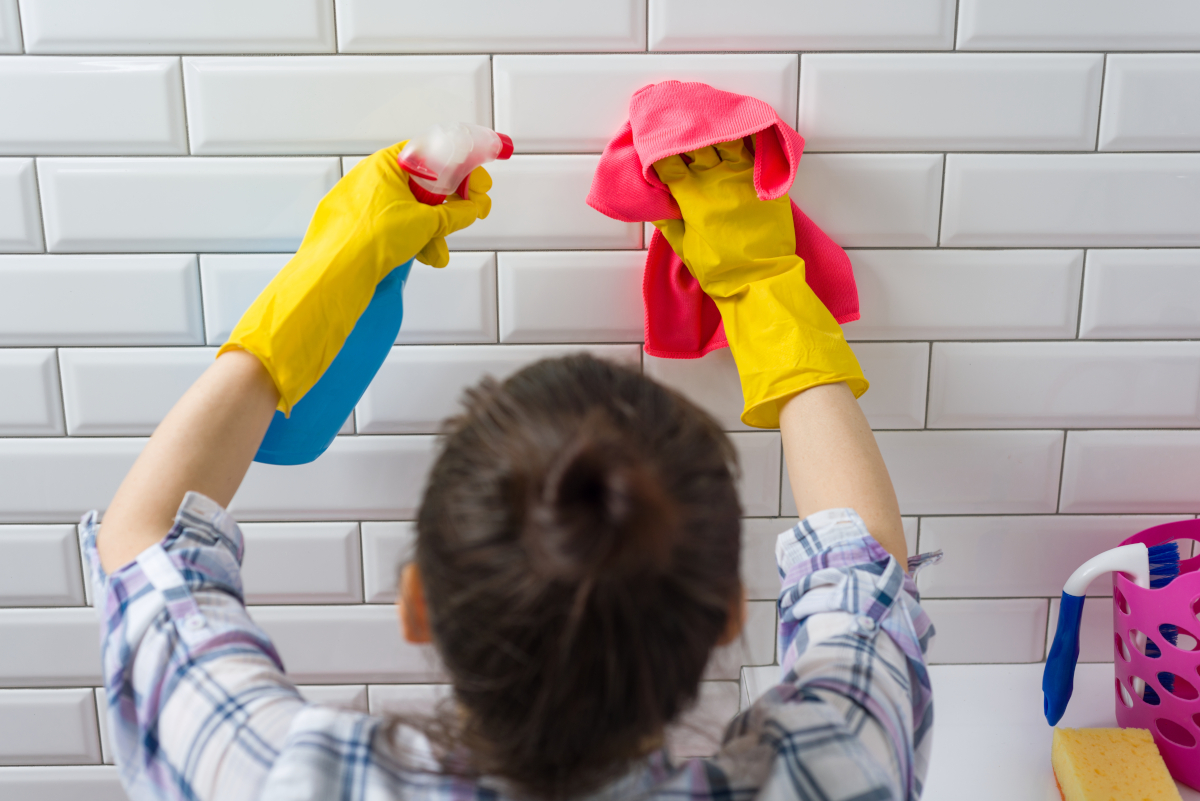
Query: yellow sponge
[{"x": 1110, "y": 765}]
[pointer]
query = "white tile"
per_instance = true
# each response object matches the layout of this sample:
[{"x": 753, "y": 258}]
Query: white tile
[
  {"x": 126, "y": 391},
  {"x": 1141, "y": 294},
  {"x": 950, "y": 101},
  {"x": 1077, "y": 25},
  {"x": 872, "y": 200},
  {"x": 30, "y": 400},
  {"x": 477, "y": 26},
  {"x": 760, "y": 574},
  {"x": 1130, "y": 472},
  {"x": 1065, "y": 385},
  {"x": 1019, "y": 556},
  {"x": 20, "y": 221},
  {"x": 801, "y": 25},
  {"x": 1102, "y": 200},
  {"x": 358, "y": 478},
  {"x": 181, "y": 204},
  {"x": 966, "y": 294},
  {"x": 106, "y": 746},
  {"x": 146, "y": 26},
  {"x": 49, "y": 648},
  {"x": 419, "y": 386},
  {"x": 48, "y": 727},
  {"x": 352, "y": 104},
  {"x": 973, "y": 472},
  {"x": 346, "y": 644},
  {"x": 711, "y": 382},
  {"x": 72, "y": 105},
  {"x": 40, "y": 566},
  {"x": 756, "y": 681},
  {"x": 385, "y": 546},
  {"x": 456, "y": 303},
  {"x": 756, "y": 645},
  {"x": 698, "y": 731},
  {"x": 345, "y": 696},
  {"x": 540, "y": 105},
  {"x": 58, "y": 480},
  {"x": 10, "y": 27},
  {"x": 1096, "y": 637},
  {"x": 408, "y": 700},
  {"x": 1151, "y": 102},
  {"x": 66, "y": 783},
  {"x": 759, "y": 455},
  {"x": 230, "y": 284},
  {"x": 100, "y": 300},
  {"x": 538, "y": 204},
  {"x": 302, "y": 563},
  {"x": 898, "y": 372},
  {"x": 571, "y": 297},
  {"x": 974, "y": 632}
]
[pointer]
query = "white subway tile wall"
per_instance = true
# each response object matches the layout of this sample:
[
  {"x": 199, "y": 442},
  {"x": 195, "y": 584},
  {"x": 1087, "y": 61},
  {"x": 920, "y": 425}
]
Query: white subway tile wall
[{"x": 1023, "y": 222}]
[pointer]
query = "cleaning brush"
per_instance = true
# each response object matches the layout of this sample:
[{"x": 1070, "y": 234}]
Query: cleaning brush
[{"x": 1150, "y": 568}]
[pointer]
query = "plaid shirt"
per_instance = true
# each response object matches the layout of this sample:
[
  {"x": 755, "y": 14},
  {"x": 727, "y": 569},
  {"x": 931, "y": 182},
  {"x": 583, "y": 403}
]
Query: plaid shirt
[{"x": 199, "y": 706}]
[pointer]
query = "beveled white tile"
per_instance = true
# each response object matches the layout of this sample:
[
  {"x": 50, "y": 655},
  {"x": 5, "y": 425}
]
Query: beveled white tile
[
  {"x": 346, "y": 644},
  {"x": 898, "y": 372},
  {"x": 20, "y": 221},
  {"x": 759, "y": 455},
  {"x": 698, "y": 731},
  {"x": 10, "y": 27},
  {"x": 62, "y": 783},
  {"x": 1096, "y": 636},
  {"x": 1019, "y": 556},
  {"x": 872, "y": 199},
  {"x": 1077, "y": 25},
  {"x": 538, "y": 204},
  {"x": 30, "y": 401},
  {"x": 106, "y": 747},
  {"x": 981, "y": 631},
  {"x": 126, "y": 391},
  {"x": 79, "y": 105},
  {"x": 40, "y": 566},
  {"x": 1131, "y": 472},
  {"x": 145, "y": 26},
  {"x": 571, "y": 297},
  {"x": 302, "y": 563},
  {"x": 384, "y": 547},
  {"x": 48, "y": 727},
  {"x": 756, "y": 645},
  {"x": 352, "y": 104},
  {"x": 50, "y": 648},
  {"x": 477, "y": 26},
  {"x": 100, "y": 300},
  {"x": 760, "y": 573},
  {"x": 540, "y": 105},
  {"x": 966, "y": 294},
  {"x": 57, "y": 480},
  {"x": 407, "y": 700},
  {"x": 358, "y": 478},
  {"x": 345, "y": 696},
  {"x": 1141, "y": 294},
  {"x": 456, "y": 303},
  {"x": 1065, "y": 385},
  {"x": 950, "y": 101},
  {"x": 801, "y": 25},
  {"x": 181, "y": 204},
  {"x": 973, "y": 472},
  {"x": 230, "y": 283},
  {"x": 711, "y": 382},
  {"x": 1151, "y": 102},
  {"x": 756, "y": 681},
  {"x": 419, "y": 386},
  {"x": 1098, "y": 200}
]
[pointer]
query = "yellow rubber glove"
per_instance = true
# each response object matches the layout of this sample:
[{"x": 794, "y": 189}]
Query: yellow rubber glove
[
  {"x": 742, "y": 250},
  {"x": 366, "y": 226}
]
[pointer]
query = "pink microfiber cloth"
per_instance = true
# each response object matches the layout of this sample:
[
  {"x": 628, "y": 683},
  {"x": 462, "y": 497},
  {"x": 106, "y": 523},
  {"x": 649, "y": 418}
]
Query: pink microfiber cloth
[{"x": 673, "y": 117}]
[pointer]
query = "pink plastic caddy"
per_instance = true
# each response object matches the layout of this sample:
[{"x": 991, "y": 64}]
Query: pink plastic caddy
[{"x": 1172, "y": 715}]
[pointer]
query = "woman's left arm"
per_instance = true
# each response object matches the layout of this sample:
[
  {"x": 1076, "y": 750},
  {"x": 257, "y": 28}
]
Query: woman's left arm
[{"x": 205, "y": 444}]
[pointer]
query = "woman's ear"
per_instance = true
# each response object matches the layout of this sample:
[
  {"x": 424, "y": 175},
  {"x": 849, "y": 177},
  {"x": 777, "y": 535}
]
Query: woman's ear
[
  {"x": 410, "y": 604},
  {"x": 737, "y": 619}
]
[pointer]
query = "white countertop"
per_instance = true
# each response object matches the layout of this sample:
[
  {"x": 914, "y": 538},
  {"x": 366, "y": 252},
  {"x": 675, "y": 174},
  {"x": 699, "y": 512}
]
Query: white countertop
[{"x": 989, "y": 733}]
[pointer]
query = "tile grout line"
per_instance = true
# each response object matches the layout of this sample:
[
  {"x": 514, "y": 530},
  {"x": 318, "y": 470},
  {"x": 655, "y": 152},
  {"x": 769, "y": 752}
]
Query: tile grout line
[
  {"x": 928, "y": 386},
  {"x": 954, "y": 28},
  {"x": 183, "y": 97},
  {"x": 1083, "y": 277},
  {"x": 62, "y": 392},
  {"x": 1100, "y": 104},
  {"x": 36, "y": 163}
]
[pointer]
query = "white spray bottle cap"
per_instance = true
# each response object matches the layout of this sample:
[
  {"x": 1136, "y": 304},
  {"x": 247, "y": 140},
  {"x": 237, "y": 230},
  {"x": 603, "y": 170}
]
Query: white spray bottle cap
[{"x": 440, "y": 160}]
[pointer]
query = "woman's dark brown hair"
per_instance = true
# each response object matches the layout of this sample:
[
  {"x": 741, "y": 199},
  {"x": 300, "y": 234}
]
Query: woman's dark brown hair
[{"x": 578, "y": 544}]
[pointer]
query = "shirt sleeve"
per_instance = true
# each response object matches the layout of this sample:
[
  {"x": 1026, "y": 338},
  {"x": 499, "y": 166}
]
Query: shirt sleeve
[
  {"x": 852, "y": 717},
  {"x": 198, "y": 705}
]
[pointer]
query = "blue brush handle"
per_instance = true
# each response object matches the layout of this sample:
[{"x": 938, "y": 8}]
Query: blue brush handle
[
  {"x": 1058, "y": 680},
  {"x": 321, "y": 413}
]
